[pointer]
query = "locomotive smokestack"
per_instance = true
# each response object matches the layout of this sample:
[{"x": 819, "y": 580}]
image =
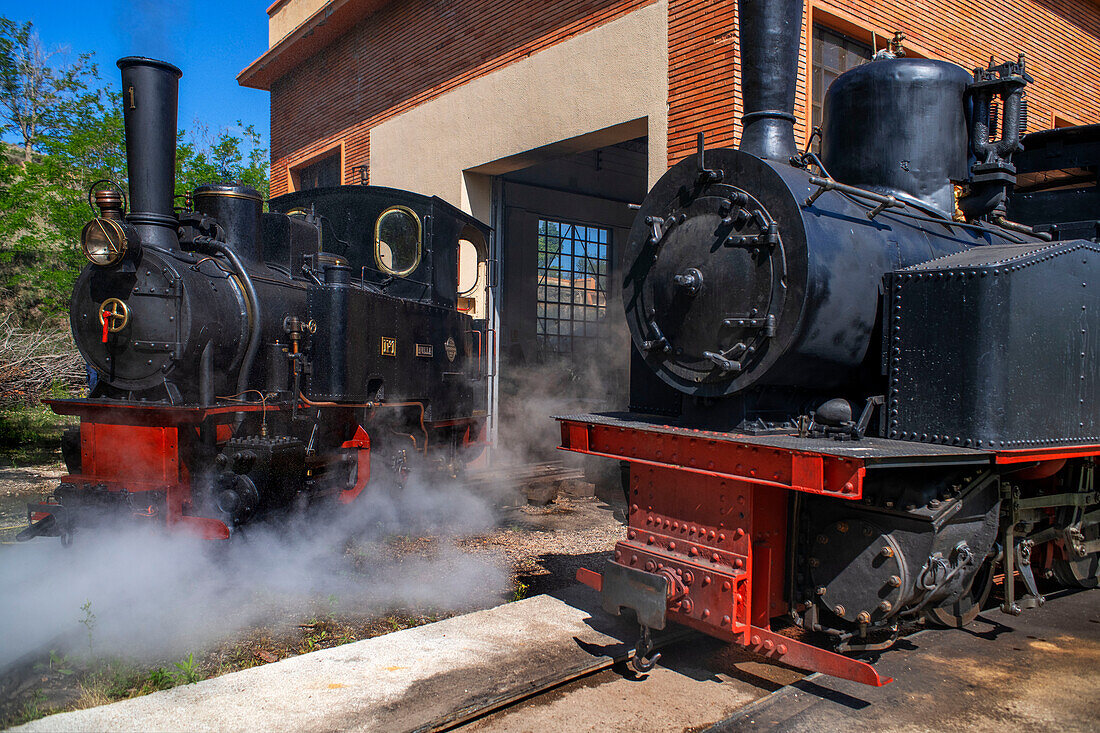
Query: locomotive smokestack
[
  {"x": 150, "y": 90},
  {"x": 769, "y": 34}
]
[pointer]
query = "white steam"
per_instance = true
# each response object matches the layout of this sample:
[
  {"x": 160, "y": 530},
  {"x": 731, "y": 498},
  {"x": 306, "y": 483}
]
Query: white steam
[{"x": 144, "y": 594}]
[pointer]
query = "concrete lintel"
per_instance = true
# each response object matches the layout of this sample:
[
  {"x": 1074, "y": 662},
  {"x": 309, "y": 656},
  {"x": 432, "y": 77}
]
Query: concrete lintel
[{"x": 579, "y": 144}]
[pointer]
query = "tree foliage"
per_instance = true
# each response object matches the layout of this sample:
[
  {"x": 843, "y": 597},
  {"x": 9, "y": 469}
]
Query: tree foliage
[
  {"x": 225, "y": 157},
  {"x": 64, "y": 125}
]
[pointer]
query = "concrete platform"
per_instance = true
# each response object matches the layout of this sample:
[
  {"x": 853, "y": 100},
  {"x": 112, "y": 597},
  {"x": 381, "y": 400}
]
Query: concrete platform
[
  {"x": 403, "y": 681},
  {"x": 1039, "y": 671}
]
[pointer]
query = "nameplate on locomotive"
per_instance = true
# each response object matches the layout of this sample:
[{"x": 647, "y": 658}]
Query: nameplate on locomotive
[
  {"x": 389, "y": 346},
  {"x": 424, "y": 350}
]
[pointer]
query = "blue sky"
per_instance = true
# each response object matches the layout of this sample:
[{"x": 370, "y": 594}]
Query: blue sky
[{"x": 211, "y": 42}]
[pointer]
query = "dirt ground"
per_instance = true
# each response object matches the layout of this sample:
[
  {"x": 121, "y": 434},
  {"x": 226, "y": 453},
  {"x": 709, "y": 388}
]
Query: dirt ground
[
  {"x": 22, "y": 483},
  {"x": 543, "y": 545}
]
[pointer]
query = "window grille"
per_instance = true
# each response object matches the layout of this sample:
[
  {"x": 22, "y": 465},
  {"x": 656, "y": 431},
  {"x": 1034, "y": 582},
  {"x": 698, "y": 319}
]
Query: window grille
[
  {"x": 833, "y": 54},
  {"x": 573, "y": 264}
]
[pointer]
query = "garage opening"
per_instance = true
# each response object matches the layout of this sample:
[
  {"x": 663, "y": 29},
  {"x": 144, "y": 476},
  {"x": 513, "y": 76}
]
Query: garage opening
[{"x": 564, "y": 345}]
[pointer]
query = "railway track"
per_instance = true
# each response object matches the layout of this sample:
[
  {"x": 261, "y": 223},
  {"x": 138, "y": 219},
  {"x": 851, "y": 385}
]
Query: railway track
[{"x": 542, "y": 685}]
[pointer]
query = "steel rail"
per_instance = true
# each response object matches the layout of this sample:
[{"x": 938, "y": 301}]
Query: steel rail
[{"x": 464, "y": 715}]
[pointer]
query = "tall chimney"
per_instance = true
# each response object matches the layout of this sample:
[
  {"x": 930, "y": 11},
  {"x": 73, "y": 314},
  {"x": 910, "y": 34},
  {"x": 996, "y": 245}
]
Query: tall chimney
[
  {"x": 150, "y": 90},
  {"x": 770, "y": 31}
]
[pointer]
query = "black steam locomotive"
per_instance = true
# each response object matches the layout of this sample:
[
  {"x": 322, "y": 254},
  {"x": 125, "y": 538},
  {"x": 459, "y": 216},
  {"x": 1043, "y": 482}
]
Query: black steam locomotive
[
  {"x": 250, "y": 362},
  {"x": 858, "y": 386}
]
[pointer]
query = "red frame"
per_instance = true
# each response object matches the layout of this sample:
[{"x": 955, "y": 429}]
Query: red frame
[
  {"x": 147, "y": 448},
  {"x": 711, "y": 512}
]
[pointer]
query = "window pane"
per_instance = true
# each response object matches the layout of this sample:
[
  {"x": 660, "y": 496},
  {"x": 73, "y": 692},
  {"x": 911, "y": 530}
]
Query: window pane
[
  {"x": 833, "y": 54},
  {"x": 322, "y": 174},
  {"x": 572, "y": 279}
]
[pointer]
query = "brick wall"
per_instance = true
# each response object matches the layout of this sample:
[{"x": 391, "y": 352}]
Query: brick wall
[
  {"x": 413, "y": 50},
  {"x": 1060, "y": 37},
  {"x": 405, "y": 54}
]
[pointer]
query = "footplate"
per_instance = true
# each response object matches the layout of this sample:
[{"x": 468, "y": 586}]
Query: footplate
[{"x": 645, "y": 593}]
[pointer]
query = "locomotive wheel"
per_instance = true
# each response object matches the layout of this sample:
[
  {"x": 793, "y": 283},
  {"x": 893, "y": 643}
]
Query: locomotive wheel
[
  {"x": 1081, "y": 572},
  {"x": 964, "y": 610}
]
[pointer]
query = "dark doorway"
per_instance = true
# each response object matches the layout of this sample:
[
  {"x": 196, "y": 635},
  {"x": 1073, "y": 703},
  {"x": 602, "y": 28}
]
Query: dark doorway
[{"x": 564, "y": 346}]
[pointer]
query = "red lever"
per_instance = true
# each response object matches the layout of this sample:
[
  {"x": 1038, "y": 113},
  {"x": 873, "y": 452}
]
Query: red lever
[{"x": 103, "y": 317}]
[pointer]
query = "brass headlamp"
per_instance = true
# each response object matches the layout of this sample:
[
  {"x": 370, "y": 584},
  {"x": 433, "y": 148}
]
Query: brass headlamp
[
  {"x": 107, "y": 238},
  {"x": 104, "y": 241}
]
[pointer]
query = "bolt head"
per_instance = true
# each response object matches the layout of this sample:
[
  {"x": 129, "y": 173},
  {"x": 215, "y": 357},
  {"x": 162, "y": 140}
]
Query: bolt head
[
  {"x": 864, "y": 617},
  {"x": 838, "y": 610}
]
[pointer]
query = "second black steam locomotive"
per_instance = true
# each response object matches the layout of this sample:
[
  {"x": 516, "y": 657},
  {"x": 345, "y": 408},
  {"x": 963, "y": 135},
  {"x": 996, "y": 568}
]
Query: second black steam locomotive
[
  {"x": 250, "y": 362},
  {"x": 859, "y": 390}
]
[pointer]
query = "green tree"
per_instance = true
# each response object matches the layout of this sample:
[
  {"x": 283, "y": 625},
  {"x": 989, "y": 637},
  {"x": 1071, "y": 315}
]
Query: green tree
[
  {"x": 35, "y": 96},
  {"x": 52, "y": 111},
  {"x": 230, "y": 156},
  {"x": 66, "y": 125}
]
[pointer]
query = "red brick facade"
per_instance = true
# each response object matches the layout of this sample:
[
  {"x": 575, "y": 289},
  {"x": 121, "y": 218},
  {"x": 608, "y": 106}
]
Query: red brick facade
[
  {"x": 1060, "y": 37},
  {"x": 409, "y": 51}
]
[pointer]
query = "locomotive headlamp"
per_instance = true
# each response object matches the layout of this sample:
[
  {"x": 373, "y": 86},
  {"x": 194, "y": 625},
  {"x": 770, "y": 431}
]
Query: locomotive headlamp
[{"x": 103, "y": 241}]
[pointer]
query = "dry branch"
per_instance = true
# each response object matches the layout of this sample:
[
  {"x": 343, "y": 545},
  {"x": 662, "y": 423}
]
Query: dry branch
[{"x": 34, "y": 361}]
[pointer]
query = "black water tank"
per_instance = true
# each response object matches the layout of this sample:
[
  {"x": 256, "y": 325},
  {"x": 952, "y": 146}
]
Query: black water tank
[
  {"x": 898, "y": 126},
  {"x": 238, "y": 210}
]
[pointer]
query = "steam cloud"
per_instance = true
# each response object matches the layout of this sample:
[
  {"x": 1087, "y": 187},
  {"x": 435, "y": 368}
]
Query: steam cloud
[
  {"x": 148, "y": 26},
  {"x": 155, "y": 594}
]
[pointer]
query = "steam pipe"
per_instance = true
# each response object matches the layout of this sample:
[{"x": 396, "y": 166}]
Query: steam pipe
[
  {"x": 253, "y": 301},
  {"x": 150, "y": 92},
  {"x": 206, "y": 374},
  {"x": 769, "y": 33}
]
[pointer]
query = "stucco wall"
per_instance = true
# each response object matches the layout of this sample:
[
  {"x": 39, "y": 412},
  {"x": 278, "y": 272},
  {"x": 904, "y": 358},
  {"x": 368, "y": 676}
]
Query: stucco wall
[
  {"x": 604, "y": 86},
  {"x": 285, "y": 16}
]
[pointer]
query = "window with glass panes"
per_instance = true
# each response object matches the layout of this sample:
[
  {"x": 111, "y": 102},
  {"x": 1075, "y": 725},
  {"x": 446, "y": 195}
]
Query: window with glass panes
[
  {"x": 321, "y": 174},
  {"x": 833, "y": 55},
  {"x": 573, "y": 262}
]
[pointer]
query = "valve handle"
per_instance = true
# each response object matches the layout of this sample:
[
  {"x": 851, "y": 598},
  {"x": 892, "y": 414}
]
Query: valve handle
[{"x": 114, "y": 314}]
